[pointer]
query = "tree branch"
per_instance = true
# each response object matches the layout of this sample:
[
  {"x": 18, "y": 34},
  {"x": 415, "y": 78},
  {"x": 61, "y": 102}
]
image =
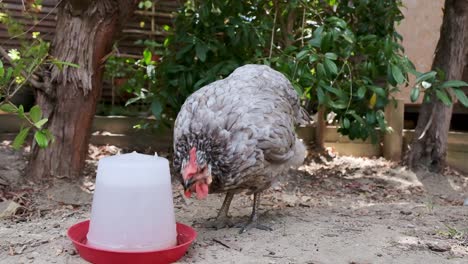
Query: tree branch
[
  {"x": 429, "y": 123},
  {"x": 273, "y": 30}
]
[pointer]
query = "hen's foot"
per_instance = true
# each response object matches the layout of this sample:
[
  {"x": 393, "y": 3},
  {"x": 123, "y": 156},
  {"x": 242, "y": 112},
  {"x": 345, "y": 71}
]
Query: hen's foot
[
  {"x": 253, "y": 224},
  {"x": 219, "y": 223}
]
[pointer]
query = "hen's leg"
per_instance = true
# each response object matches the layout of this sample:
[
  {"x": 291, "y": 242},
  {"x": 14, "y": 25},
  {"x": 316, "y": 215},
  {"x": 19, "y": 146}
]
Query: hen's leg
[
  {"x": 223, "y": 211},
  {"x": 253, "y": 221},
  {"x": 222, "y": 220}
]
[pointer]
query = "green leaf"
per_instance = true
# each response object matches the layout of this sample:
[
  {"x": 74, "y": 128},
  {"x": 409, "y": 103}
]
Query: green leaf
[
  {"x": 370, "y": 117},
  {"x": 414, "y": 94},
  {"x": 427, "y": 98},
  {"x": 147, "y": 56},
  {"x": 181, "y": 53},
  {"x": 331, "y": 66},
  {"x": 132, "y": 100},
  {"x": 148, "y": 4},
  {"x": 397, "y": 74},
  {"x": 378, "y": 90},
  {"x": 2, "y": 70},
  {"x": 298, "y": 88},
  {"x": 443, "y": 97},
  {"x": 334, "y": 90},
  {"x": 454, "y": 84},
  {"x": 361, "y": 92},
  {"x": 49, "y": 135},
  {"x": 381, "y": 120},
  {"x": 62, "y": 63},
  {"x": 8, "y": 74},
  {"x": 156, "y": 108},
  {"x": 41, "y": 123},
  {"x": 302, "y": 54},
  {"x": 201, "y": 49},
  {"x": 320, "y": 95},
  {"x": 318, "y": 31},
  {"x": 348, "y": 37},
  {"x": 346, "y": 122},
  {"x": 338, "y": 104},
  {"x": 41, "y": 139},
  {"x": 316, "y": 41},
  {"x": 331, "y": 56},
  {"x": 35, "y": 113},
  {"x": 166, "y": 42},
  {"x": 358, "y": 118},
  {"x": 426, "y": 76},
  {"x": 21, "y": 111},
  {"x": 20, "y": 138},
  {"x": 321, "y": 73},
  {"x": 8, "y": 107},
  {"x": 313, "y": 58},
  {"x": 461, "y": 96},
  {"x": 326, "y": 41},
  {"x": 317, "y": 37}
]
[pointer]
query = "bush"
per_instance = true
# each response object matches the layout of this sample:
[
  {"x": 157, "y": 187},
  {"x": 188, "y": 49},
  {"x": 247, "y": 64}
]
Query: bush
[{"x": 344, "y": 55}]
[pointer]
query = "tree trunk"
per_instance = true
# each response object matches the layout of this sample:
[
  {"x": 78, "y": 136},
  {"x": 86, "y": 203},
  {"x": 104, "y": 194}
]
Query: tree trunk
[
  {"x": 429, "y": 147},
  {"x": 84, "y": 35},
  {"x": 321, "y": 127}
]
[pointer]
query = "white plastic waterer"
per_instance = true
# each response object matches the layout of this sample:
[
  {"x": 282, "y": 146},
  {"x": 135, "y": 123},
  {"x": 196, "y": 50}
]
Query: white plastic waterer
[{"x": 132, "y": 206}]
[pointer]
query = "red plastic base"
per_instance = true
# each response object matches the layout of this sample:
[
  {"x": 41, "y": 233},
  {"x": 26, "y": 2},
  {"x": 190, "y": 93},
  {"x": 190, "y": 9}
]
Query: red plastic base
[{"x": 77, "y": 233}]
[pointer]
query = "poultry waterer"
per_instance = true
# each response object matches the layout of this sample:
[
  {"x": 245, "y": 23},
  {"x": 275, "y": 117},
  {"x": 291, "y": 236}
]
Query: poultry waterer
[{"x": 132, "y": 214}]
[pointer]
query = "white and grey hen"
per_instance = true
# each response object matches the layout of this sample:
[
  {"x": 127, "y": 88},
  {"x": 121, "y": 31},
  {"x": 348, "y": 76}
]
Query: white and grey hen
[{"x": 237, "y": 134}]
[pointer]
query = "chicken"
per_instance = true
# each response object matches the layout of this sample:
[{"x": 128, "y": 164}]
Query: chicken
[{"x": 237, "y": 134}]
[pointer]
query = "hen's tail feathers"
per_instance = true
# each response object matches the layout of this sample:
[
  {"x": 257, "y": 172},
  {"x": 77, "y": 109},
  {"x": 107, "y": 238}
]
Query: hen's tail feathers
[
  {"x": 300, "y": 153},
  {"x": 303, "y": 118}
]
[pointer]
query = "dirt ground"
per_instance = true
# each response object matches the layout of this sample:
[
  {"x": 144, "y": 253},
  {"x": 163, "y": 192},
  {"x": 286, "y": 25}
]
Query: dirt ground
[{"x": 346, "y": 210}]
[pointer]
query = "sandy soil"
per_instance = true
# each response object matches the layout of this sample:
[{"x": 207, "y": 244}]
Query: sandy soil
[{"x": 347, "y": 210}]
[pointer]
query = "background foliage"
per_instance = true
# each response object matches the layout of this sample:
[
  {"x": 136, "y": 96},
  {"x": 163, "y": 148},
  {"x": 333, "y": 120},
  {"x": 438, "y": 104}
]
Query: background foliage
[
  {"x": 344, "y": 55},
  {"x": 21, "y": 67}
]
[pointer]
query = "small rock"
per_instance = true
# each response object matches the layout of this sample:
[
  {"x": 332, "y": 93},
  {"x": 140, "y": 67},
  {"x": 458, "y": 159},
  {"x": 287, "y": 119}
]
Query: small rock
[
  {"x": 289, "y": 200},
  {"x": 56, "y": 225},
  {"x": 379, "y": 255},
  {"x": 403, "y": 212},
  {"x": 59, "y": 251},
  {"x": 438, "y": 246},
  {"x": 8, "y": 208}
]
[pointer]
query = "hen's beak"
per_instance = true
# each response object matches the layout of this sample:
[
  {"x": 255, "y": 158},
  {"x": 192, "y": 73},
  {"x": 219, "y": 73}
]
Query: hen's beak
[{"x": 188, "y": 183}]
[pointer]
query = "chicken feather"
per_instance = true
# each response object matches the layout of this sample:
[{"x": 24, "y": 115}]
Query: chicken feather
[{"x": 243, "y": 127}]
